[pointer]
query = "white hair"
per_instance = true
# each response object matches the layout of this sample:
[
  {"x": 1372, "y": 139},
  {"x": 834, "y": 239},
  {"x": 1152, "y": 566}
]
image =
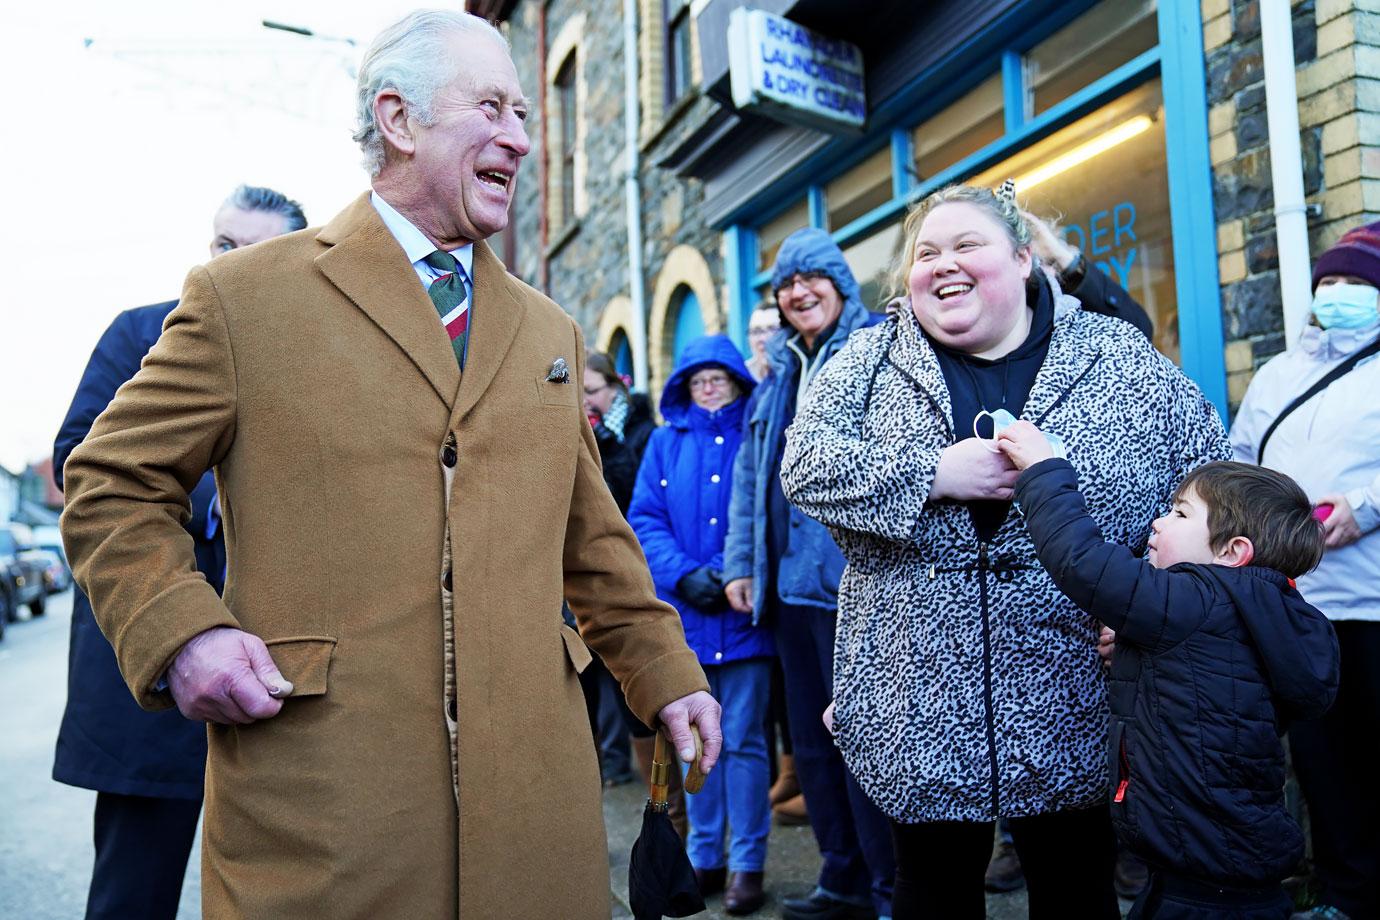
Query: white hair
[{"x": 410, "y": 58}]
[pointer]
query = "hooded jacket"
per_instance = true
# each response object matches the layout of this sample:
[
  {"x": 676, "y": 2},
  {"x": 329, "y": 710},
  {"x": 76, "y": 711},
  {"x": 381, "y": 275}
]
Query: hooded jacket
[
  {"x": 1212, "y": 664},
  {"x": 680, "y": 504},
  {"x": 808, "y": 572},
  {"x": 967, "y": 687}
]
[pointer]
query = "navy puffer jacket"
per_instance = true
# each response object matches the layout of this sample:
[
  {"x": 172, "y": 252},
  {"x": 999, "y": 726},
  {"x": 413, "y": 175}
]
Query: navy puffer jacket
[
  {"x": 1211, "y": 665},
  {"x": 680, "y": 504}
]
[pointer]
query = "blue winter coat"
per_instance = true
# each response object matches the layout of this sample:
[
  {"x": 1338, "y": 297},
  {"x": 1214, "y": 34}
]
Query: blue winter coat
[
  {"x": 1212, "y": 663},
  {"x": 808, "y": 574},
  {"x": 106, "y": 741},
  {"x": 680, "y": 504}
]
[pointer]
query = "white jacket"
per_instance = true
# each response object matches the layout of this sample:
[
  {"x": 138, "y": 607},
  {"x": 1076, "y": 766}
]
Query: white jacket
[{"x": 1329, "y": 444}]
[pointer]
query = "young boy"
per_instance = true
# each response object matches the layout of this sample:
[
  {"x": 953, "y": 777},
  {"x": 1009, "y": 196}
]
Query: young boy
[{"x": 1215, "y": 654}]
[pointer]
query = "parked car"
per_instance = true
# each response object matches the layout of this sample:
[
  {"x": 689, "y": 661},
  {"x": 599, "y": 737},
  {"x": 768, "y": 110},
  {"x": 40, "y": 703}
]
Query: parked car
[
  {"x": 56, "y": 576},
  {"x": 21, "y": 573}
]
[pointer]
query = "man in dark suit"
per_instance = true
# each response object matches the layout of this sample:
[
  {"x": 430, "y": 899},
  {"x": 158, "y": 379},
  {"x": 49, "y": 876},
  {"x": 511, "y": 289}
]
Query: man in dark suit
[{"x": 146, "y": 767}]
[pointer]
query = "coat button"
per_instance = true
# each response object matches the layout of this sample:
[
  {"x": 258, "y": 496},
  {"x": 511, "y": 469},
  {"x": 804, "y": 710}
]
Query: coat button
[
  {"x": 718, "y": 656},
  {"x": 663, "y": 483},
  {"x": 450, "y": 709},
  {"x": 713, "y": 521},
  {"x": 445, "y": 580},
  {"x": 448, "y": 455},
  {"x": 718, "y": 439},
  {"x": 714, "y": 478}
]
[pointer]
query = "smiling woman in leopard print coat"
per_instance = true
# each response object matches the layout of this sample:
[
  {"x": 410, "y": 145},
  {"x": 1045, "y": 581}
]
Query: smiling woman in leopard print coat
[{"x": 967, "y": 687}]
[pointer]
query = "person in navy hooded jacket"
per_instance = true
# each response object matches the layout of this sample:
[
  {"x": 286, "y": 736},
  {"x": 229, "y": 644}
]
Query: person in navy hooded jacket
[
  {"x": 1216, "y": 653},
  {"x": 680, "y": 514}
]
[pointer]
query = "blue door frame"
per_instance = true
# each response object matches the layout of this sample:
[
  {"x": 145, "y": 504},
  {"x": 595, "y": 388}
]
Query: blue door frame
[{"x": 1177, "y": 60}]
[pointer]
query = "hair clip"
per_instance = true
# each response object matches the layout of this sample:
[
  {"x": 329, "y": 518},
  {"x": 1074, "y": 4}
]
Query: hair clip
[{"x": 1007, "y": 192}]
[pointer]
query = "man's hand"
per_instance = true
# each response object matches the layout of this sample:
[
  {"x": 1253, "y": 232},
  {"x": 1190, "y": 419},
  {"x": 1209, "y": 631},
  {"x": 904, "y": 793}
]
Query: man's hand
[
  {"x": 1340, "y": 528},
  {"x": 701, "y": 710},
  {"x": 739, "y": 593},
  {"x": 1051, "y": 249},
  {"x": 226, "y": 675},
  {"x": 969, "y": 470},
  {"x": 1024, "y": 445}
]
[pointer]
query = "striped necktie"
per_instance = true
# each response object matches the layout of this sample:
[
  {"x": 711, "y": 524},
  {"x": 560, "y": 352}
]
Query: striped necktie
[{"x": 452, "y": 301}]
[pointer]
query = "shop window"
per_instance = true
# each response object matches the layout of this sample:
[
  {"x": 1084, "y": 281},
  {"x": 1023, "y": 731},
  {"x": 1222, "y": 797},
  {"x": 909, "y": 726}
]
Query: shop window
[
  {"x": 873, "y": 261},
  {"x": 620, "y": 350},
  {"x": 864, "y": 187},
  {"x": 966, "y": 126},
  {"x": 774, "y": 232},
  {"x": 678, "y": 72},
  {"x": 1103, "y": 178},
  {"x": 567, "y": 118},
  {"x": 689, "y": 322},
  {"x": 1102, "y": 39}
]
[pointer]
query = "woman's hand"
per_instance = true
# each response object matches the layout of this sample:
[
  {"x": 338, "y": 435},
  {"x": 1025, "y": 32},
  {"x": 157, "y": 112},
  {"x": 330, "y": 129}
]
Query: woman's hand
[
  {"x": 1024, "y": 445},
  {"x": 970, "y": 470},
  {"x": 1048, "y": 246},
  {"x": 739, "y": 593},
  {"x": 1340, "y": 527}
]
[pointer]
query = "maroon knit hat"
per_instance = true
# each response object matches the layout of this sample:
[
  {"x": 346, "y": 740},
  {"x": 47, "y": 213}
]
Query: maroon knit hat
[{"x": 1356, "y": 253}]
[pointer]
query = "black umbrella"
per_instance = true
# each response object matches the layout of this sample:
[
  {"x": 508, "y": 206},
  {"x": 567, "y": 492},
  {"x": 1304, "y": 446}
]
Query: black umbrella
[{"x": 661, "y": 881}]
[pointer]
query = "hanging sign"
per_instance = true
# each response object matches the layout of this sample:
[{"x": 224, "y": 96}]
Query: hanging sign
[{"x": 783, "y": 70}]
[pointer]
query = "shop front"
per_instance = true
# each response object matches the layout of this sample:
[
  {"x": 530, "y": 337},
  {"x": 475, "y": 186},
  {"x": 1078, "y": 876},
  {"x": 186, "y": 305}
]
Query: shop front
[{"x": 1097, "y": 110}]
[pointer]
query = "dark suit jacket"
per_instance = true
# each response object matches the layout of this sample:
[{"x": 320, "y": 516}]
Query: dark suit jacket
[{"x": 106, "y": 741}]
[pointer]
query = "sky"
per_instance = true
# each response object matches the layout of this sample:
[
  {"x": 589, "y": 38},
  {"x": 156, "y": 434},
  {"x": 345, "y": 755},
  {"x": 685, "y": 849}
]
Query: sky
[{"x": 130, "y": 123}]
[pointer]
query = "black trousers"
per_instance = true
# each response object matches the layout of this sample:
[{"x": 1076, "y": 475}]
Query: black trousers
[
  {"x": 1067, "y": 857},
  {"x": 1168, "y": 897},
  {"x": 142, "y": 846},
  {"x": 1335, "y": 765}
]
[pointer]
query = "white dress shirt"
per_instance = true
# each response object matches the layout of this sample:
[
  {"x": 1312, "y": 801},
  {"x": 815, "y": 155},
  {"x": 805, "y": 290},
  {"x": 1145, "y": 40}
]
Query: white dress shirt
[{"x": 418, "y": 247}]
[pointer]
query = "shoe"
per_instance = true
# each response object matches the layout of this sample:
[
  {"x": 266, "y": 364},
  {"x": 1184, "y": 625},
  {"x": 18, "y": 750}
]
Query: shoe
[
  {"x": 711, "y": 881},
  {"x": 1320, "y": 912},
  {"x": 817, "y": 906},
  {"x": 787, "y": 785},
  {"x": 744, "y": 894},
  {"x": 1004, "y": 871},
  {"x": 791, "y": 812},
  {"x": 1130, "y": 876}
]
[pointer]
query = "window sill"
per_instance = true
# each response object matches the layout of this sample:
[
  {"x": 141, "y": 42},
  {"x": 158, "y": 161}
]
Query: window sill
[
  {"x": 563, "y": 236},
  {"x": 669, "y": 118}
]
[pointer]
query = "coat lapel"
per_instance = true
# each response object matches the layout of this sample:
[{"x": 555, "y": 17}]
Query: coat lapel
[
  {"x": 369, "y": 267},
  {"x": 498, "y": 313}
]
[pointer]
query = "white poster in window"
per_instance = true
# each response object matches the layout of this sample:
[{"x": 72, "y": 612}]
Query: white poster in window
[{"x": 783, "y": 70}]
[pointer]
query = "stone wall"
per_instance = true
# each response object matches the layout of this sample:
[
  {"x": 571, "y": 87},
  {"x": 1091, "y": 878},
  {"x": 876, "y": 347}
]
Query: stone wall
[
  {"x": 588, "y": 261},
  {"x": 1337, "y": 55}
]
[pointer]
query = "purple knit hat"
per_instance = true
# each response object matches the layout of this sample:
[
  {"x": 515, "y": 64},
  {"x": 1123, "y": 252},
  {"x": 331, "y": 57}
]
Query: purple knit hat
[{"x": 1356, "y": 253}]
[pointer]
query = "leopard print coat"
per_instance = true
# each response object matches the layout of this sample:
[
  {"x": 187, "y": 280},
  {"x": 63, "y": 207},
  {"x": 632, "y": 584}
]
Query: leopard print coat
[{"x": 966, "y": 686}]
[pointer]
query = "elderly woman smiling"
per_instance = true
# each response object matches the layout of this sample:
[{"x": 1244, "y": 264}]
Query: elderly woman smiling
[{"x": 967, "y": 688}]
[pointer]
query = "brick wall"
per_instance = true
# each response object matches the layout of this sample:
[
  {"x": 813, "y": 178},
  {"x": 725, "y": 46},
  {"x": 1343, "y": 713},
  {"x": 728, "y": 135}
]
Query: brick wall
[{"x": 1337, "y": 57}]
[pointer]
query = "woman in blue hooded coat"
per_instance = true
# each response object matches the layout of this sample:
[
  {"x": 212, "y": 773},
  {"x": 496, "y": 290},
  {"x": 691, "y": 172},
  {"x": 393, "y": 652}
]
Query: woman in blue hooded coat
[{"x": 680, "y": 514}]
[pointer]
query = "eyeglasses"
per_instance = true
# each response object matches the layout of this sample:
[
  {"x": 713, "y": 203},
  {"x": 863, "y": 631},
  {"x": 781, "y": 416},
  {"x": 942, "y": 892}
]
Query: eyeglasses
[
  {"x": 805, "y": 278},
  {"x": 589, "y": 392},
  {"x": 717, "y": 381}
]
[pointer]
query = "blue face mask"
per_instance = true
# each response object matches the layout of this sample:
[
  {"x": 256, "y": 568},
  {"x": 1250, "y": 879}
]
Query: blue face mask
[
  {"x": 1001, "y": 419},
  {"x": 1346, "y": 306}
]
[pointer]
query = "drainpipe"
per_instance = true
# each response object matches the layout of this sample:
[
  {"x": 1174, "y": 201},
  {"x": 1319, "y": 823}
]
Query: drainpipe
[
  {"x": 544, "y": 229},
  {"x": 633, "y": 190},
  {"x": 1286, "y": 166}
]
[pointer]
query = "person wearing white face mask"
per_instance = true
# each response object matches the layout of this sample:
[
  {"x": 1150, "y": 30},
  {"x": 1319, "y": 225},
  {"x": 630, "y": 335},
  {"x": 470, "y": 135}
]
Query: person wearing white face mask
[{"x": 1311, "y": 413}]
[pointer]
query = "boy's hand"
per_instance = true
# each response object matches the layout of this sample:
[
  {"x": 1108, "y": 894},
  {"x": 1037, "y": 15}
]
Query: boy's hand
[
  {"x": 829, "y": 717},
  {"x": 1106, "y": 645},
  {"x": 1023, "y": 443}
]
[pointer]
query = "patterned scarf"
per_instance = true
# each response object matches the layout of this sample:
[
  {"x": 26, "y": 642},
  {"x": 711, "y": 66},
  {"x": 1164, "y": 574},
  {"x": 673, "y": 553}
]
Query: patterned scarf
[{"x": 612, "y": 422}]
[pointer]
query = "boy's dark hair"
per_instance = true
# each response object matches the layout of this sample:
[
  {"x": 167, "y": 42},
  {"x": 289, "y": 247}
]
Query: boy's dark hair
[{"x": 1265, "y": 507}]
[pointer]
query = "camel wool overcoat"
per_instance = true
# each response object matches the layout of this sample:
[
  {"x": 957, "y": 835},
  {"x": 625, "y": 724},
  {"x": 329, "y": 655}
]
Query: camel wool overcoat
[{"x": 402, "y": 539}]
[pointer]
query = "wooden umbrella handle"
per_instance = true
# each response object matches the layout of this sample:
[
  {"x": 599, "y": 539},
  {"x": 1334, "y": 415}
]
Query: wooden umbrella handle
[{"x": 664, "y": 760}]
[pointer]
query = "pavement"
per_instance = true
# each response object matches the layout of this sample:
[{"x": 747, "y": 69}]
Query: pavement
[{"x": 45, "y": 827}]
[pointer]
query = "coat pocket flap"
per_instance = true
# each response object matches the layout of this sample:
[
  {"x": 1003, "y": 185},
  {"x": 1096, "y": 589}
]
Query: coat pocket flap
[
  {"x": 304, "y": 660},
  {"x": 580, "y": 655}
]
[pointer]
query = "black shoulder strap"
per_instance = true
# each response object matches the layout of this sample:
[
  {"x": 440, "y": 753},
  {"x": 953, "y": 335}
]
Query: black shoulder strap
[{"x": 1328, "y": 379}]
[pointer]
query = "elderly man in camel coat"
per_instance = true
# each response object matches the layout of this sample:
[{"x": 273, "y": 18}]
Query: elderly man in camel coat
[{"x": 397, "y": 729}]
